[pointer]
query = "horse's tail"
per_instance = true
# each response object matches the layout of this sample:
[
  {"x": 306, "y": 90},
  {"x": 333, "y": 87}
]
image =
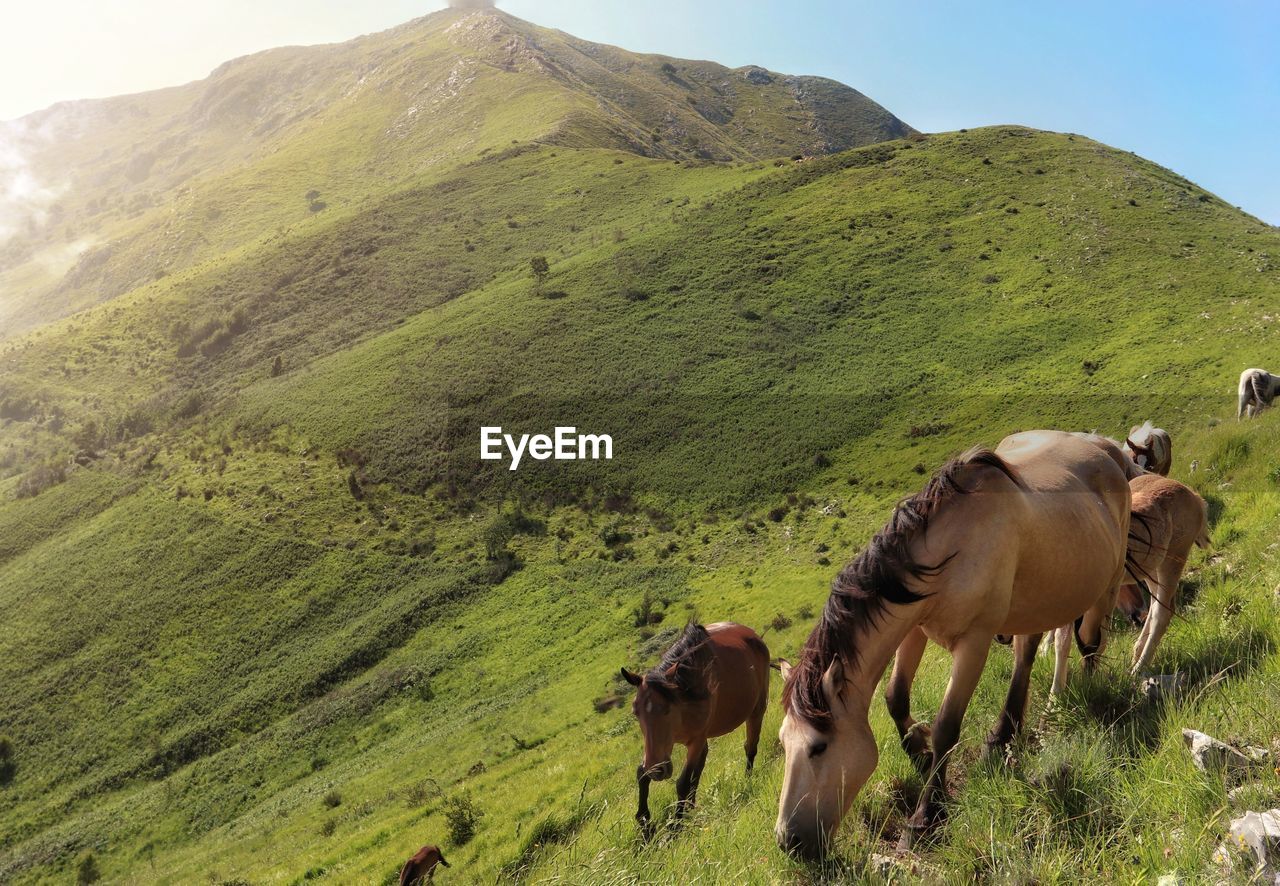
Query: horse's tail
[{"x": 1262, "y": 389}]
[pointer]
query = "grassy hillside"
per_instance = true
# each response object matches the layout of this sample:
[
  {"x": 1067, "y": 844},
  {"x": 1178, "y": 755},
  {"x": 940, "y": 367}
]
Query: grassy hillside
[
  {"x": 128, "y": 190},
  {"x": 271, "y": 620}
]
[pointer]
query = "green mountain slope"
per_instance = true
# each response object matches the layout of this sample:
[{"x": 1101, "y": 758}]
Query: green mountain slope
[
  {"x": 141, "y": 186},
  {"x": 271, "y": 619}
]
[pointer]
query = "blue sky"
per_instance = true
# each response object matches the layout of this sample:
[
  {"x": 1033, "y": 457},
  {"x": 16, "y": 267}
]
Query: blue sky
[{"x": 1192, "y": 85}]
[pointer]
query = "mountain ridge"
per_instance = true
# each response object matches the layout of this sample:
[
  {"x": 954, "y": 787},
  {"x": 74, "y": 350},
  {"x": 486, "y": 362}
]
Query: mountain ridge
[{"x": 141, "y": 185}]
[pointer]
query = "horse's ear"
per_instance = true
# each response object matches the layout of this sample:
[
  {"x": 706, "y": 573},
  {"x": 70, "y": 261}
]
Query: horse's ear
[
  {"x": 833, "y": 682},
  {"x": 633, "y": 679},
  {"x": 783, "y": 667}
]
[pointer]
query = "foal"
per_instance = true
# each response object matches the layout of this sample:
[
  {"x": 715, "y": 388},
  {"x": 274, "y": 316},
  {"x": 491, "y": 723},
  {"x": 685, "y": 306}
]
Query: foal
[
  {"x": 1169, "y": 518},
  {"x": 708, "y": 684}
]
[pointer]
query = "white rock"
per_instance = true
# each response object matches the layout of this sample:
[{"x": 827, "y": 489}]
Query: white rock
[
  {"x": 1211, "y": 755},
  {"x": 1258, "y": 833},
  {"x": 1166, "y": 686}
]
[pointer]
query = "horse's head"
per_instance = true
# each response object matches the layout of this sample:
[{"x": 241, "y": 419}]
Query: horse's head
[
  {"x": 1132, "y": 603},
  {"x": 826, "y": 765},
  {"x": 659, "y": 710}
]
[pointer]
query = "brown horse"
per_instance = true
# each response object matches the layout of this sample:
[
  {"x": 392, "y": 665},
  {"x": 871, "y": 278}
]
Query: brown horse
[
  {"x": 708, "y": 684},
  {"x": 1151, "y": 448},
  {"x": 422, "y": 867},
  {"x": 1169, "y": 518},
  {"x": 1016, "y": 541}
]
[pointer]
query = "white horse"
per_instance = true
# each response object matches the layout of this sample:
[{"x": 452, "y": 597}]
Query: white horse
[{"x": 1257, "y": 389}]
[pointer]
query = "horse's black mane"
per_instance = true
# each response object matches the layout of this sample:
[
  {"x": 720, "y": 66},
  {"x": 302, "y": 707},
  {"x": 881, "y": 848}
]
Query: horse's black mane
[
  {"x": 876, "y": 578},
  {"x": 683, "y": 668}
]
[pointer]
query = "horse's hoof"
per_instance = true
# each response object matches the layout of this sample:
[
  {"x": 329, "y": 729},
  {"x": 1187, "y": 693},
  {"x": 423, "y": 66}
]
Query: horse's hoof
[{"x": 917, "y": 745}]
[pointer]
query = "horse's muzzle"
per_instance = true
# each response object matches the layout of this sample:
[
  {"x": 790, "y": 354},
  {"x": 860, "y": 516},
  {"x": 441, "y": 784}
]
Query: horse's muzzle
[
  {"x": 661, "y": 772},
  {"x": 800, "y": 844}
]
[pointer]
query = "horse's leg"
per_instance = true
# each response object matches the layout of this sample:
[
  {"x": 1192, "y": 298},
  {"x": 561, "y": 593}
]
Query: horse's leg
[
  {"x": 968, "y": 658},
  {"x": 1015, "y": 704},
  {"x": 1091, "y": 629},
  {"x": 642, "y": 814},
  {"x": 1141, "y": 643},
  {"x": 1166, "y": 584},
  {"x": 754, "y": 722},
  {"x": 687, "y": 786},
  {"x": 897, "y": 696},
  {"x": 1061, "y": 658}
]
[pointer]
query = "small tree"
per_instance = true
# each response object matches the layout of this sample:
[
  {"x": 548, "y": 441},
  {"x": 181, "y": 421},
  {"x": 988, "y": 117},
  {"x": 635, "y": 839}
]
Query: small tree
[
  {"x": 8, "y": 765},
  {"x": 462, "y": 816},
  {"x": 541, "y": 268},
  {"x": 87, "y": 869}
]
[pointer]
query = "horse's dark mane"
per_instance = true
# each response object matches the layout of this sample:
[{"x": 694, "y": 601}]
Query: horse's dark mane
[
  {"x": 689, "y": 656},
  {"x": 876, "y": 578}
]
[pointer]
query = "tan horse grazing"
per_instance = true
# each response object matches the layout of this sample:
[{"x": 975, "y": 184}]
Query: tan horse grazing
[
  {"x": 422, "y": 867},
  {"x": 1257, "y": 389},
  {"x": 1016, "y": 541},
  {"x": 710, "y": 682},
  {"x": 1151, "y": 448},
  {"x": 1169, "y": 518}
]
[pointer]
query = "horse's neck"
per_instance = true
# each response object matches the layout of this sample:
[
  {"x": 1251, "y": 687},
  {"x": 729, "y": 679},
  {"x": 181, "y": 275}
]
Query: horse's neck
[{"x": 876, "y": 643}]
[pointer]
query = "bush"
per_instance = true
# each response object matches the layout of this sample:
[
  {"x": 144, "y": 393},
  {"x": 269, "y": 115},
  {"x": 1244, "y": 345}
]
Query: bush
[
  {"x": 332, "y": 800},
  {"x": 8, "y": 763},
  {"x": 87, "y": 868},
  {"x": 780, "y": 622},
  {"x": 328, "y": 827},
  {"x": 462, "y": 817},
  {"x": 647, "y": 613},
  {"x": 40, "y": 478}
]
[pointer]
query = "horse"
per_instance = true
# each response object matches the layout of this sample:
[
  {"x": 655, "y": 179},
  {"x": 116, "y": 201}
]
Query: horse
[
  {"x": 1257, "y": 389},
  {"x": 422, "y": 867},
  {"x": 1151, "y": 448},
  {"x": 1169, "y": 518},
  {"x": 710, "y": 682},
  {"x": 1019, "y": 541}
]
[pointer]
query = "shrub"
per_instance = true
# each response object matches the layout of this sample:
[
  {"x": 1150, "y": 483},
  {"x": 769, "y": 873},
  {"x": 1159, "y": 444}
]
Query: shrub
[
  {"x": 780, "y": 622},
  {"x": 612, "y": 534},
  {"x": 277, "y": 367},
  {"x": 779, "y": 513},
  {"x": 40, "y": 478},
  {"x": 332, "y": 800},
  {"x": 87, "y": 868},
  {"x": 647, "y": 613},
  {"x": 931, "y": 429},
  {"x": 462, "y": 817},
  {"x": 328, "y": 827},
  {"x": 8, "y": 763}
]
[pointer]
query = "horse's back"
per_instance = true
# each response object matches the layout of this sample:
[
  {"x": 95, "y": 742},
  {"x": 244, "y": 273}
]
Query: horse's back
[
  {"x": 741, "y": 679},
  {"x": 1170, "y": 513},
  {"x": 1071, "y": 527}
]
